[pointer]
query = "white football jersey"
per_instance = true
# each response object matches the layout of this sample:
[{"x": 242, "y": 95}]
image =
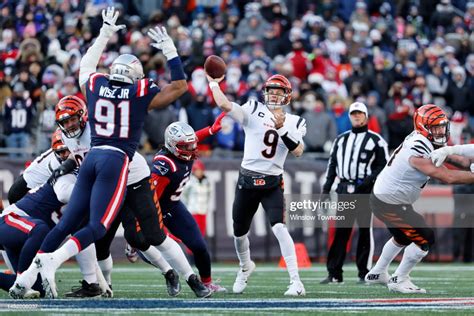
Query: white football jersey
[
  {"x": 399, "y": 182},
  {"x": 79, "y": 147},
  {"x": 264, "y": 151},
  {"x": 41, "y": 169}
]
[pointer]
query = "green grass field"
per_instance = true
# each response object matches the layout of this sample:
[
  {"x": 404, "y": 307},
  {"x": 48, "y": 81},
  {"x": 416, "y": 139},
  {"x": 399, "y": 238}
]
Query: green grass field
[{"x": 140, "y": 289}]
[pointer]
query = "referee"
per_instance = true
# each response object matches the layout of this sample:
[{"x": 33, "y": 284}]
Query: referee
[{"x": 357, "y": 157}]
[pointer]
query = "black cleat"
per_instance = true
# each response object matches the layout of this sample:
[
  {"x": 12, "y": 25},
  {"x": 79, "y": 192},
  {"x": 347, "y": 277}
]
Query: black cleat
[
  {"x": 198, "y": 288},
  {"x": 85, "y": 290},
  {"x": 172, "y": 282},
  {"x": 332, "y": 280}
]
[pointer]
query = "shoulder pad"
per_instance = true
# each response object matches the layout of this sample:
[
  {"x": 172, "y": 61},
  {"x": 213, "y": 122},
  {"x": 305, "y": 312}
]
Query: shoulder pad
[{"x": 163, "y": 165}]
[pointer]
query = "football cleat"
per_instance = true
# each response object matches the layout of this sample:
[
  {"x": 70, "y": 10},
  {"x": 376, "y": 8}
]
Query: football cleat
[
  {"x": 131, "y": 253},
  {"x": 296, "y": 288},
  {"x": 377, "y": 278},
  {"x": 403, "y": 285},
  {"x": 17, "y": 291},
  {"x": 172, "y": 282},
  {"x": 242, "y": 277},
  {"x": 215, "y": 287},
  {"x": 85, "y": 290},
  {"x": 31, "y": 294},
  {"x": 47, "y": 268},
  {"x": 332, "y": 280},
  {"x": 198, "y": 288}
]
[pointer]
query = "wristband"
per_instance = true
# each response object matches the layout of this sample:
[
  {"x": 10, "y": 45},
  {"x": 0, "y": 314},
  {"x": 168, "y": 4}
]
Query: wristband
[
  {"x": 290, "y": 143},
  {"x": 176, "y": 69},
  {"x": 213, "y": 84}
]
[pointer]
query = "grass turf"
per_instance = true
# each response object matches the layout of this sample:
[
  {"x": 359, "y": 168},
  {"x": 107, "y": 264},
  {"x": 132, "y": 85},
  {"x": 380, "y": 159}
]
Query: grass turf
[{"x": 140, "y": 289}]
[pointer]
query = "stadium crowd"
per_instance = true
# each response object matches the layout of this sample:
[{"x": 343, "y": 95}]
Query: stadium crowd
[{"x": 392, "y": 55}]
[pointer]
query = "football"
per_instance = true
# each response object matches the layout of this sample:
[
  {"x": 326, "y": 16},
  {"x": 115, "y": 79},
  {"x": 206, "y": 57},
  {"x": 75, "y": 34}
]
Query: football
[{"x": 215, "y": 66}]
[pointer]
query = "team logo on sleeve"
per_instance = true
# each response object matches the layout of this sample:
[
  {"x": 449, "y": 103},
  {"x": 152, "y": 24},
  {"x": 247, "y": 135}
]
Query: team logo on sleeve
[{"x": 159, "y": 166}]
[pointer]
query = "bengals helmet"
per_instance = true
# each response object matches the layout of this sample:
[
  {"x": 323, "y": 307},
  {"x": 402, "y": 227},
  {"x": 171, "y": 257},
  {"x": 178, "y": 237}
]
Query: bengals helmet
[
  {"x": 431, "y": 122},
  {"x": 57, "y": 145},
  {"x": 68, "y": 107},
  {"x": 278, "y": 82}
]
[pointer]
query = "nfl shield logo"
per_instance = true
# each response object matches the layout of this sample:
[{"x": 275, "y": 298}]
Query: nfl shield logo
[{"x": 258, "y": 182}]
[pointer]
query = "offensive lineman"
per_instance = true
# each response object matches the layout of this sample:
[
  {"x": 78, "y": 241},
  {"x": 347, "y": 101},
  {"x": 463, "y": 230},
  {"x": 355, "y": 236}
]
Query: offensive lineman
[{"x": 398, "y": 186}]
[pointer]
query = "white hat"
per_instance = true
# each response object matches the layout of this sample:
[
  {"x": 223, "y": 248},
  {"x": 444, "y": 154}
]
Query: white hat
[{"x": 358, "y": 106}]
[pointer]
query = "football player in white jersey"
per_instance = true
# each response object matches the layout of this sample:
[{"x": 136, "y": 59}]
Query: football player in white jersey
[
  {"x": 270, "y": 134},
  {"x": 71, "y": 117},
  {"x": 398, "y": 186}
]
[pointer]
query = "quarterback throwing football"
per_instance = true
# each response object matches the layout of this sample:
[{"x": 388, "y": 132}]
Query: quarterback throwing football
[{"x": 269, "y": 134}]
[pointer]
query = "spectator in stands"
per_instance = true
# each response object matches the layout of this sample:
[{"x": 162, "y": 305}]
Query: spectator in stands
[
  {"x": 18, "y": 117},
  {"x": 339, "y": 113},
  {"x": 47, "y": 121},
  {"x": 251, "y": 29},
  {"x": 459, "y": 95},
  {"x": 400, "y": 112},
  {"x": 376, "y": 113},
  {"x": 318, "y": 139},
  {"x": 437, "y": 84}
]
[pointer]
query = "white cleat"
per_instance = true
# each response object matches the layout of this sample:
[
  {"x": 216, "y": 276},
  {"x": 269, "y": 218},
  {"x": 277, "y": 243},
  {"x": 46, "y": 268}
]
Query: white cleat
[
  {"x": 31, "y": 294},
  {"x": 17, "y": 291},
  {"x": 242, "y": 277},
  {"x": 377, "y": 278},
  {"x": 296, "y": 288},
  {"x": 47, "y": 268},
  {"x": 403, "y": 285}
]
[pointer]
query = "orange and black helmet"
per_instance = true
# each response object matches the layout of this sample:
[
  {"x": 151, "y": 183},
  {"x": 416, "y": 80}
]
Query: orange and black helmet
[
  {"x": 433, "y": 123},
  {"x": 68, "y": 107},
  {"x": 277, "y": 82}
]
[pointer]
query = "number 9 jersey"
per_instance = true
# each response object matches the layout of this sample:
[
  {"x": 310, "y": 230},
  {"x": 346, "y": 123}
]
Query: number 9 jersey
[
  {"x": 117, "y": 112},
  {"x": 264, "y": 150}
]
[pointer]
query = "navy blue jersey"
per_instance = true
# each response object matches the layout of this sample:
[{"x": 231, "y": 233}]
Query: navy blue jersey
[
  {"x": 18, "y": 115},
  {"x": 117, "y": 113},
  {"x": 169, "y": 176},
  {"x": 40, "y": 203}
]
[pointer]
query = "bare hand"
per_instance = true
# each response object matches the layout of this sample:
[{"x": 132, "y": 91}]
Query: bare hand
[
  {"x": 279, "y": 119},
  {"x": 210, "y": 79}
]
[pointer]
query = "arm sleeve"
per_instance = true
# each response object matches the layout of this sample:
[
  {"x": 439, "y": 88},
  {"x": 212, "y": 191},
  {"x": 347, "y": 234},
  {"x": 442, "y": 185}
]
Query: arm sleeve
[
  {"x": 63, "y": 187},
  {"x": 464, "y": 150},
  {"x": 159, "y": 184},
  {"x": 90, "y": 60},
  {"x": 331, "y": 170}
]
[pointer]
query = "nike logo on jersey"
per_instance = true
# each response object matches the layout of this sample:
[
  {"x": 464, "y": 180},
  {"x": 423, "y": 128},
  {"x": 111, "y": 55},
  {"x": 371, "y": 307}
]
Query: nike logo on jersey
[{"x": 137, "y": 187}]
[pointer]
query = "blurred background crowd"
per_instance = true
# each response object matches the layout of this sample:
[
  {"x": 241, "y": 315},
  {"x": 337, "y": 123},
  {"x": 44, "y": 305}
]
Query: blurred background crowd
[{"x": 393, "y": 55}]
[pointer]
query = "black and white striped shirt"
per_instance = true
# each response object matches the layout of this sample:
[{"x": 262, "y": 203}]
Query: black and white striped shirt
[{"x": 357, "y": 156}]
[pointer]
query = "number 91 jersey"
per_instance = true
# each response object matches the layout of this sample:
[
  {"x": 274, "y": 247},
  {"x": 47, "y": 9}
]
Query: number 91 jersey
[
  {"x": 117, "y": 112},
  {"x": 264, "y": 151}
]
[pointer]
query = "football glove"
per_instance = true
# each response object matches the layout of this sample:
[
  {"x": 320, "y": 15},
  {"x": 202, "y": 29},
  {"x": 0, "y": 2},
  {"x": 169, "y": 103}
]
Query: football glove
[
  {"x": 216, "y": 127},
  {"x": 109, "y": 17},
  {"x": 66, "y": 167},
  {"x": 439, "y": 155},
  {"x": 163, "y": 42}
]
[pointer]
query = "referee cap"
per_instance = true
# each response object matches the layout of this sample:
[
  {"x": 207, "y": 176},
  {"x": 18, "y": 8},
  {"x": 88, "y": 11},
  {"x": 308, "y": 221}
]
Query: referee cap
[{"x": 358, "y": 106}]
